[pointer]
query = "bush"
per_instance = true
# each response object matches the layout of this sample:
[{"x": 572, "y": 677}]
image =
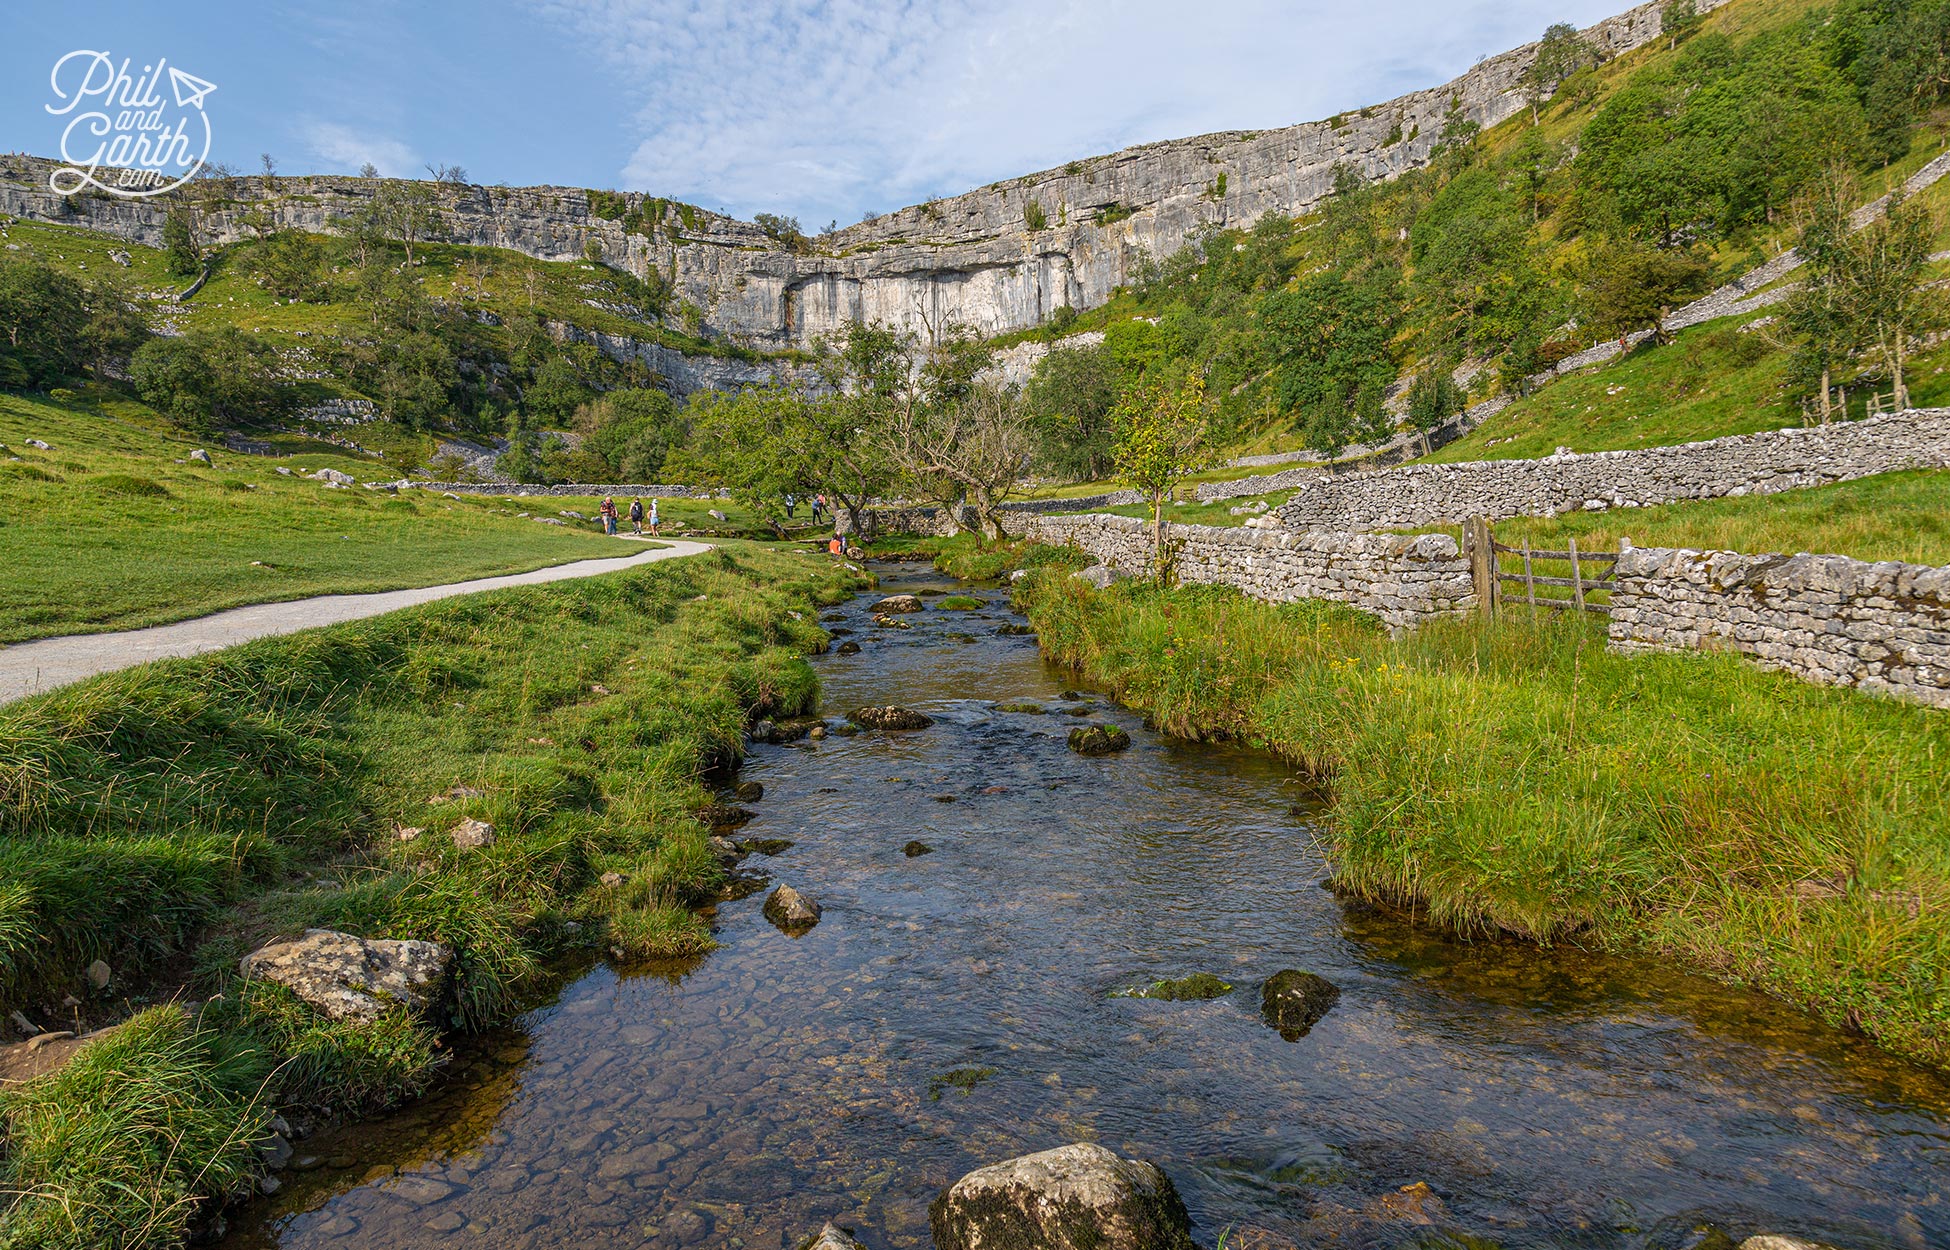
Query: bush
[
  {"x": 208, "y": 376},
  {"x": 119, "y": 1148}
]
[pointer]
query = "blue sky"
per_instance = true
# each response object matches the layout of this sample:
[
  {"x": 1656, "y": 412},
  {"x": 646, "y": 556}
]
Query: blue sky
[{"x": 824, "y": 110}]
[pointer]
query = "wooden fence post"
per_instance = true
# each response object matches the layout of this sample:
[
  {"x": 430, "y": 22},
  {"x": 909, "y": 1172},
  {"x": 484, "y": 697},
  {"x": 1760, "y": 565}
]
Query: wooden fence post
[
  {"x": 1577, "y": 579},
  {"x": 1482, "y": 563},
  {"x": 1529, "y": 582}
]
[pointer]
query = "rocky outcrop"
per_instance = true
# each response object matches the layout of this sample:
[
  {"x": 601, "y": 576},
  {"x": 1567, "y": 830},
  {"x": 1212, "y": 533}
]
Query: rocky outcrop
[
  {"x": 999, "y": 258},
  {"x": 1078, "y": 1197},
  {"x": 354, "y": 978}
]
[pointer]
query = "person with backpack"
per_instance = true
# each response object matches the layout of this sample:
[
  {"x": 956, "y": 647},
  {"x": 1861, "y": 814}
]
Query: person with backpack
[
  {"x": 608, "y": 511},
  {"x": 636, "y": 518}
]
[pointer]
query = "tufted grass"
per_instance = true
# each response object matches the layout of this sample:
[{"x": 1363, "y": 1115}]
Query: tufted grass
[
  {"x": 1521, "y": 778},
  {"x": 190, "y": 809}
]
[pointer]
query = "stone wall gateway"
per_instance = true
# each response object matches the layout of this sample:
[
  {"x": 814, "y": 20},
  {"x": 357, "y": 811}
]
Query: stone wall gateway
[
  {"x": 1404, "y": 580},
  {"x": 1882, "y": 627},
  {"x": 1744, "y": 464}
]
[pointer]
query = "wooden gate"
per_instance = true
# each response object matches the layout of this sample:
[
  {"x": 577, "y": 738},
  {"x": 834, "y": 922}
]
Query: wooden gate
[{"x": 1495, "y": 586}]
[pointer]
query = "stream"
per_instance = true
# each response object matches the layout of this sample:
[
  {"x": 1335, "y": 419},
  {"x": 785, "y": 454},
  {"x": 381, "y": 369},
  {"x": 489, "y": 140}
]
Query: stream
[{"x": 953, "y": 1009}]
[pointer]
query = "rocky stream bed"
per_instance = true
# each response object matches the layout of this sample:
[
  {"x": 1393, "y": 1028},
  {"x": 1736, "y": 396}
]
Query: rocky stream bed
[{"x": 997, "y": 943}]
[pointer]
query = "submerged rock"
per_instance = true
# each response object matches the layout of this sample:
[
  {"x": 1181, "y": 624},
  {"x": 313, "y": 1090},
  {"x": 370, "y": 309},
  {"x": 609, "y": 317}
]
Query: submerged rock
[
  {"x": 766, "y": 846},
  {"x": 894, "y": 605},
  {"x": 1198, "y": 986},
  {"x": 830, "y": 1237},
  {"x": 791, "y": 911},
  {"x": 1077, "y": 1197},
  {"x": 1015, "y": 631},
  {"x": 916, "y": 847},
  {"x": 725, "y": 851},
  {"x": 725, "y": 815},
  {"x": 354, "y": 978},
  {"x": 1098, "y": 740},
  {"x": 1027, "y": 709},
  {"x": 1293, "y": 1001},
  {"x": 750, "y": 791},
  {"x": 889, "y": 717},
  {"x": 849, "y": 648}
]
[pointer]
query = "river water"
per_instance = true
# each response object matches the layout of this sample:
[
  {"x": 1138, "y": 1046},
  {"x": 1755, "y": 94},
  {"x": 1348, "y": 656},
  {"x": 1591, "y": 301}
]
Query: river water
[{"x": 954, "y": 1009}]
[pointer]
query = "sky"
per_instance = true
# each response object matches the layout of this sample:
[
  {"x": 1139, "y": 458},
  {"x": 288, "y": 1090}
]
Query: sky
[{"x": 824, "y": 110}]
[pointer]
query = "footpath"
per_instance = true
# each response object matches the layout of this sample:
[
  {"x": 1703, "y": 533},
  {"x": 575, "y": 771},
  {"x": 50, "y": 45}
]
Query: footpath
[{"x": 32, "y": 668}]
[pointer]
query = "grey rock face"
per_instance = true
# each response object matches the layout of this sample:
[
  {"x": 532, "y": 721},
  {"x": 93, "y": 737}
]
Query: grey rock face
[
  {"x": 354, "y": 978},
  {"x": 792, "y": 911},
  {"x": 1293, "y": 1001},
  {"x": 1077, "y": 1197}
]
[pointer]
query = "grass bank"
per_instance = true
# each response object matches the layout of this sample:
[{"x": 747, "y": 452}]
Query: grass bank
[
  {"x": 106, "y": 530},
  {"x": 1520, "y": 778},
  {"x": 168, "y": 819}
]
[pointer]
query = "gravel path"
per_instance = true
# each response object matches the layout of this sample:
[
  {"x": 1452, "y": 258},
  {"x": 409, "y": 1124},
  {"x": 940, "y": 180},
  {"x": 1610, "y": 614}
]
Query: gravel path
[{"x": 33, "y": 667}]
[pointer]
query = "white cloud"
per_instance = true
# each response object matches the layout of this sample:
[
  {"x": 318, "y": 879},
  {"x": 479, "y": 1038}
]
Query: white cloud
[
  {"x": 340, "y": 147},
  {"x": 828, "y": 108}
]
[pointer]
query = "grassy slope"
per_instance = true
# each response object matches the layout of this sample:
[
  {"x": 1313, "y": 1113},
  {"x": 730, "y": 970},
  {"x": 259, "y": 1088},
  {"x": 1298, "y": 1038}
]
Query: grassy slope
[
  {"x": 197, "y": 807},
  {"x": 86, "y": 555},
  {"x": 1523, "y": 778}
]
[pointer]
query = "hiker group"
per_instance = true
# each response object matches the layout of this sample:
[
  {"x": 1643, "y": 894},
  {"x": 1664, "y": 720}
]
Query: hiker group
[{"x": 638, "y": 516}]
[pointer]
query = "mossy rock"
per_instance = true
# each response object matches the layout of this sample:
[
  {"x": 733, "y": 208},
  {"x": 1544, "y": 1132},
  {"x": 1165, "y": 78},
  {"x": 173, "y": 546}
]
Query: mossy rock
[
  {"x": 1099, "y": 740},
  {"x": 1293, "y": 1001},
  {"x": 916, "y": 848},
  {"x": 1025, "y": 708},
  {"x": 958, "y": 603},
  {"x": 1015, "y": 631},
  {"x": 1194, "y": 988}
]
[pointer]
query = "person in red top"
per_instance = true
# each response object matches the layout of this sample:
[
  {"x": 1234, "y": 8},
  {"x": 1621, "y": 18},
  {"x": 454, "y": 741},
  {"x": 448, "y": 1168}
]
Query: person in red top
[{"x": 608, "y": 511}]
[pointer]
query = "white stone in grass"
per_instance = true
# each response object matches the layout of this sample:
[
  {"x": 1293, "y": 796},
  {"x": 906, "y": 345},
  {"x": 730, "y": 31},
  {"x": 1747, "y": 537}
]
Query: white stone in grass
[
  {"x": 99, "y": 974},
  {"x": 354, "y": 978},
  {"x": 472, "y": 834}
]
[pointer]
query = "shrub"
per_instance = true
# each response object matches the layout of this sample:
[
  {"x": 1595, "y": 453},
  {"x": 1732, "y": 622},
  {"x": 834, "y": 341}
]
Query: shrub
[
  {"x": 124, "y": 484},
  {"x": 1034, "y": 218}
]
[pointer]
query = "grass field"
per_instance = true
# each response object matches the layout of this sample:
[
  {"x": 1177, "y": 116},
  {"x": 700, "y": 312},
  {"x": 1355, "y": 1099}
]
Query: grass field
[
  {"x": 169, "y": 818},
  {"x": 106, "y": 531},
  {"x": 1522, "y": 778}
]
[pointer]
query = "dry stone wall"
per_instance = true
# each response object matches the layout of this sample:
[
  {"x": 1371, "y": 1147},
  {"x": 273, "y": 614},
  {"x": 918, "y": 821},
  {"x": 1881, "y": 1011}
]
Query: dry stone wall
[
  {"x": 1403, "y": 580},
  {"x": 1881, "y": 627},
  {"x": 1746, "y": 464}
]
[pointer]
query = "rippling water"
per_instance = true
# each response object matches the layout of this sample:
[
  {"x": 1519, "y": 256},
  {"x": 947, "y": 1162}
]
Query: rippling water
[{"x": 951, "y": 1010}]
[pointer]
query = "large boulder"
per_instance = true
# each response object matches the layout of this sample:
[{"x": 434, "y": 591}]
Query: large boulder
[
  {"x": 1098, "y": 740},
  {"x": 1777, "y": 1241},
  {"x": 1293, "y": 1001},
  {"x": 894, "y": 605},
  {"x": 791, "y": 911},
  {"x": 889, "y": 718},
  {"x": 1077, "y": 1197},
  {"x": 354, "y": 978},
  {"x": 333, "y": 476}
]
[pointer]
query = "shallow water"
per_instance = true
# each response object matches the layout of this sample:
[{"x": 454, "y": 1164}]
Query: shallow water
[{"x": 951, "y": 1010}]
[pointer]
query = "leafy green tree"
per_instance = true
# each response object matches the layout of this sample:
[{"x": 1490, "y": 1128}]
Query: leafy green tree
[
  {"x": 1561, "y": 53},
  {"x": 1679, "y": 20},
  {"x": 555, "y": 392},
  {"x": 181, "y": 255},
  {"x": 1068, "y": 403},
  {"x": 1328, "y": 343},
  {"x": 628, "y": 434},
  {"x": 1434, "y": 396},
  {"x": 42, "y": 318},
  {"x": 403, "y": 211},
  {"x": 208, "y": 377},
  {"x": 760, "y": 444},
  {"x": 1161, "y": 440},
  {"x": 292, "y": 265},
  {"x": 1632, "y": 286},
  {"x": 1818, "y": 316},
  {"x": 1885, "y": 262}
]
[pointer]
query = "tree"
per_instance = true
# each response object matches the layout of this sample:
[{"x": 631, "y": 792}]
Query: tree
[
  {"x": 1817, "y": 315},
  {"x": 292, "y": 265},
  {"x": 207, "y": 376},
  {"x": 1885, "y": 263},
  {"x": 556, "y": 391},
  {"x": 1327, "y": 340},
  {"x": 1068, "y": 403},
  {"x": 181, "y": 255},
  {"x": 42, "y": 318},
  {"x": 1631, "y": 286},
  {"x": 403, "y": 211},
  {"x": 1561, "y": 53},
  {"x": 628, "y": 434},
  {"x": 759, "y": 443},
  {"x": 1678, "y": 20},
  {"x": 1160, "y": 440},
  {"x": 971, "y": 449},
  {"x": 369, "y": 170}
]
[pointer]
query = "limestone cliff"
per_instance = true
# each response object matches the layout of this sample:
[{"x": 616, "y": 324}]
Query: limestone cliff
[{"x": 971, "y": 259}]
